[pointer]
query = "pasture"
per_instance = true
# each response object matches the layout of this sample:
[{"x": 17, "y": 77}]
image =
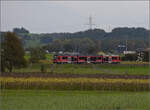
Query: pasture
[
  {"x": 88, "y": 69},
  {"x": 73, "y": 100}
]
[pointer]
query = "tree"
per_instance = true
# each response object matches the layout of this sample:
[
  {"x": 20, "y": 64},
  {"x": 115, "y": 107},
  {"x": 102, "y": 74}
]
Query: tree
[
  {"x": 20, "y": 30},
  {"x": 130, "y": 57},
  {"x": 37, "y": 54},
  {"x": 146, "y": 56},
  {"x": 12, "y": 52}
]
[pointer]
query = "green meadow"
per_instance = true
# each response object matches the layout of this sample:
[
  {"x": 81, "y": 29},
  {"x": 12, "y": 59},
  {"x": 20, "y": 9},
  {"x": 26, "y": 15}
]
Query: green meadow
[
  {"x": 73, "y": 100},
  {"x": 87, "y": 69}
]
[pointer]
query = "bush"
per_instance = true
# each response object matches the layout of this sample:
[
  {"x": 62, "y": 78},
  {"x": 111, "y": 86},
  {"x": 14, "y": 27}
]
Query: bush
[
  {"x": 43, "y": 68},
  {"x": 129, "y": 57},
  {"x": 37, "y": 54},
  {"x": 146, "y": 56}
]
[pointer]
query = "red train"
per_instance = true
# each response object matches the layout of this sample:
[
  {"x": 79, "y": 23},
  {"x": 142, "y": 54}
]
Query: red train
[{"x": 81, "y": 59}]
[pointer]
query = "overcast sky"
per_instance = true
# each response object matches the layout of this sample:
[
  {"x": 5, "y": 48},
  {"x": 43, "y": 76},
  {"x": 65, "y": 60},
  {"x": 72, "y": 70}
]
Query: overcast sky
[{"x": 72, "y": 16}]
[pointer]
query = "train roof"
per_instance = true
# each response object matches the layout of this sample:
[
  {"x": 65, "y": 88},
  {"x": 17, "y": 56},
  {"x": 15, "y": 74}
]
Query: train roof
[{"x": 82, "y": 55}]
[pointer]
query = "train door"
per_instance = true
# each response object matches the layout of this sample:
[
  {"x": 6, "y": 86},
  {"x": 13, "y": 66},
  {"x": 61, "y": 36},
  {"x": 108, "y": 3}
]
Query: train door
[
  {"x": 93, "y": 59},
  {"x": 69, "y": 59},
  {"x": 74, "y": 59},
  {"x": 109, "y": 59},
  {"x": 106, "y": 59},
  {"x": 88, "y": 59}
]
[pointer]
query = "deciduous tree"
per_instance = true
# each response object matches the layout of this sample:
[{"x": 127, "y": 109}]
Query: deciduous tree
[{"x": 12, "y": 52}]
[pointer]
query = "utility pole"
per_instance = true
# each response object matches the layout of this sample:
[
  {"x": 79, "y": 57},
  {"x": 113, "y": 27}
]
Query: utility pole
[
  {"x": 126, "y": 45},
  {"x": 90, "y": 24}
]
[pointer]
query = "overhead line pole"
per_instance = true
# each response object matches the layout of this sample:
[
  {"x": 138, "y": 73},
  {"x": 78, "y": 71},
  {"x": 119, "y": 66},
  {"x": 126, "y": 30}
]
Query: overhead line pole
[{"x": 90, "y": 23}]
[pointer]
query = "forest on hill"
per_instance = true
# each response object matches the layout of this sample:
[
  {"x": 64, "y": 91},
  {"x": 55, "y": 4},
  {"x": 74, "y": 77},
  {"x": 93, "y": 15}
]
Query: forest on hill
[{"x": 88, "y": 41}]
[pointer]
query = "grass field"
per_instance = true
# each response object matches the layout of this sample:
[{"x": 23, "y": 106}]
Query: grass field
[
  {"x": 73, "y": 100},
  {"x": 88, "y": 69},
  {"x": 48, "y": 56}
]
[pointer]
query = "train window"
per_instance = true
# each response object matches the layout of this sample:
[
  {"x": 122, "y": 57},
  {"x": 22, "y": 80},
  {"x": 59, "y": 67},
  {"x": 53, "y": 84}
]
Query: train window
[
  {"x": 82, "y": 58},
  {"x": 64, "y": 57},
  {"x": 99, "y": 58},
  {"x": 114, "y": 58}
]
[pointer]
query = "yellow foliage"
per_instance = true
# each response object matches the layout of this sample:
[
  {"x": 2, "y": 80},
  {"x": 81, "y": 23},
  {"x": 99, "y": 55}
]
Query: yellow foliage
[{"x": 74, "y": 80}]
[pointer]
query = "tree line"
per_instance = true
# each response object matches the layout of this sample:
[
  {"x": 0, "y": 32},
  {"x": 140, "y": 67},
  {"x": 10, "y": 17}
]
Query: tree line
[
  {"x": 81, "y": 45},
  {"x": 136, "y": 38}
]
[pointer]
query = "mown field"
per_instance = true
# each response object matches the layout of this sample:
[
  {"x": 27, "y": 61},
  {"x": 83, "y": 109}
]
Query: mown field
[{"x": 73, "y": 100}]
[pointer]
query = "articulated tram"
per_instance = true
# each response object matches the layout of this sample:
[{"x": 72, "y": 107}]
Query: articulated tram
[{"x": 83, "y": 59}]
